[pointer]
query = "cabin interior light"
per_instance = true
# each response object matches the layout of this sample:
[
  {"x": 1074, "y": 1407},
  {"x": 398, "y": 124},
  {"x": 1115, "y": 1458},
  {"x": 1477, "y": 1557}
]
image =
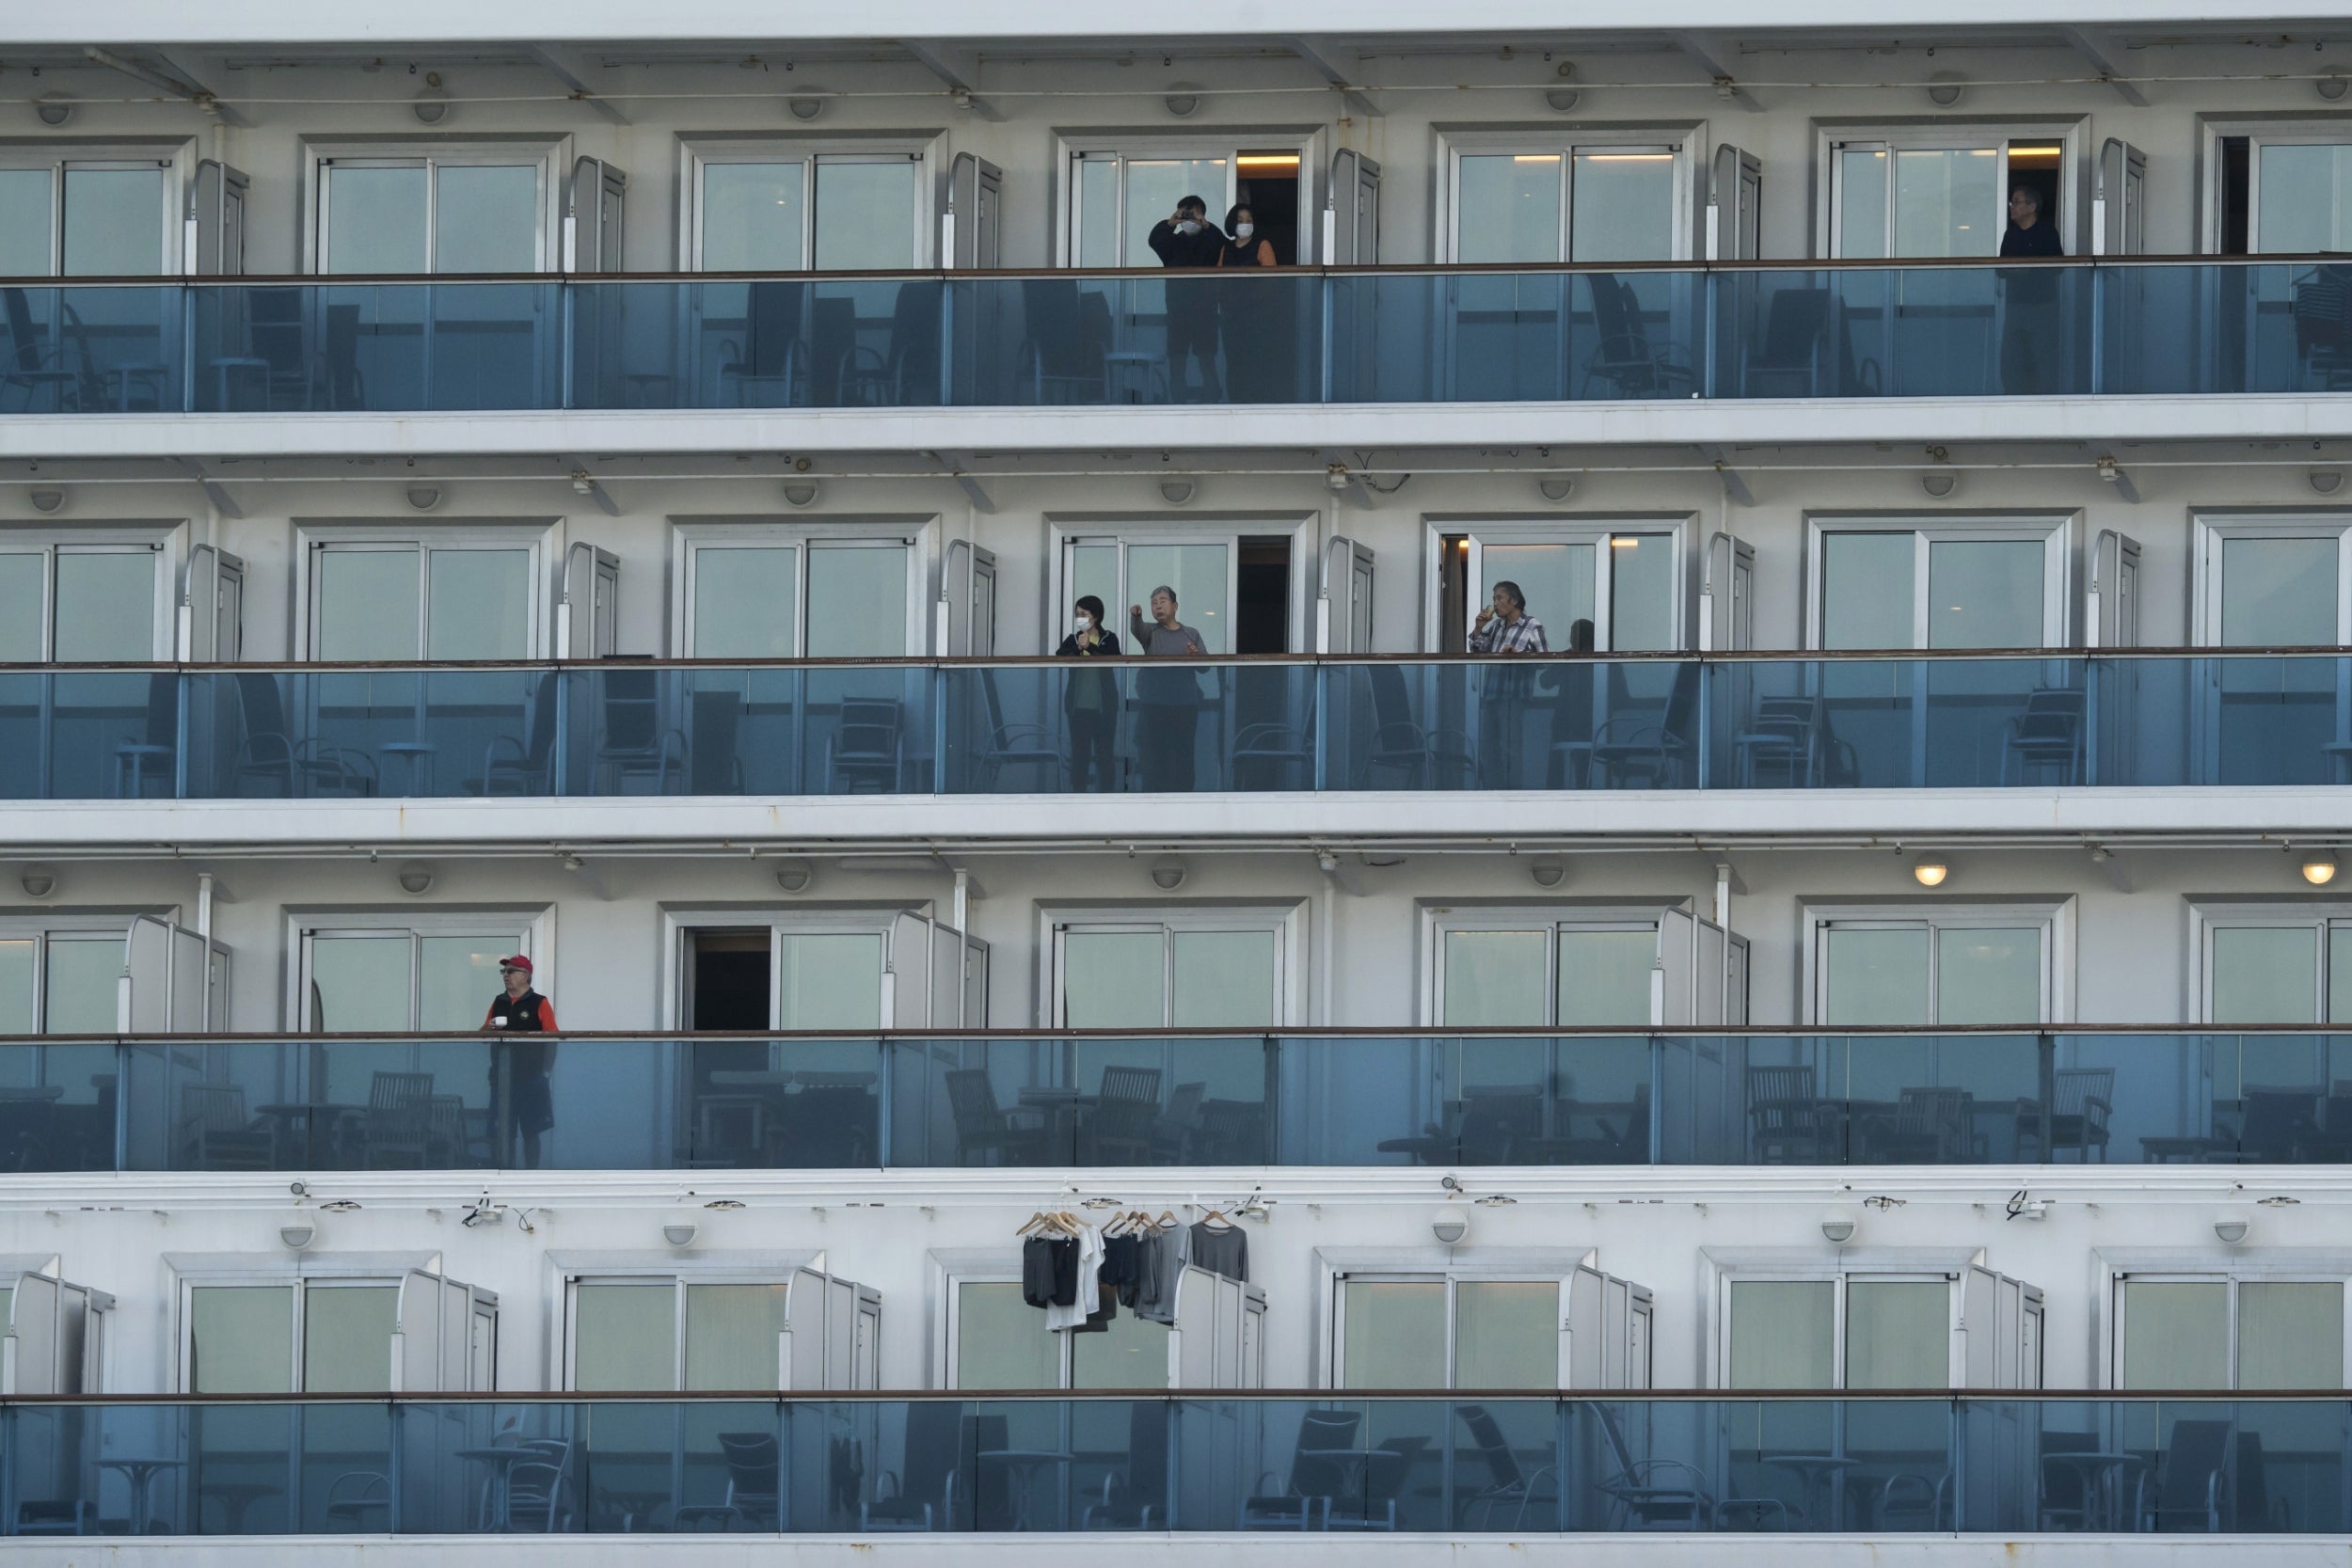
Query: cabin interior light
[{"x": 1931, "y": 873}]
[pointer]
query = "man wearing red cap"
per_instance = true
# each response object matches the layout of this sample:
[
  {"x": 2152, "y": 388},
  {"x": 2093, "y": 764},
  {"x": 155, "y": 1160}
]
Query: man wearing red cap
[{"x": 519, "y": 1072}]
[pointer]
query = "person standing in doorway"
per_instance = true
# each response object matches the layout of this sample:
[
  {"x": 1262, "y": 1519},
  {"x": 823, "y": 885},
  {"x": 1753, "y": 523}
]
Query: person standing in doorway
[
  {"x": 1186, "y": 239},
  {"x": 2030, "y": 318},
  {"x": 1167, "y": 701},
  {"x": 1090, "y": 700},
  {"x": 521, "y": 1103},
  {"x": 1250, "y": 315},
  {"x": 1505, "y": 627}
]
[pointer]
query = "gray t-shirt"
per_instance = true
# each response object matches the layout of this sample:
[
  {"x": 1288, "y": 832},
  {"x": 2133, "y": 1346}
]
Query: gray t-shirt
[
  {"x": 1166, "y": 688},
  {"x": 1221, "y": 1249}
]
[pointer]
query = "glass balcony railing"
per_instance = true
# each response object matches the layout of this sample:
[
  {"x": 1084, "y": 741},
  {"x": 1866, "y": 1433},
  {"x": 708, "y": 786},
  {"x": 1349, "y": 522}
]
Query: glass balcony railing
[
  {"x": 1325, "y": 1098},
  {"x": 2114, "y": 328},
  {"x": 1257, "y": 727},
  {"x": 1901, "y": 1464}
]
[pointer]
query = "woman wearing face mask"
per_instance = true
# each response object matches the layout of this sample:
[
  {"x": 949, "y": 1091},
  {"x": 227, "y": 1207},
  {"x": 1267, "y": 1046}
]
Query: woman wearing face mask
[
  {"x": 1255, "y": 318},
  {"x": 1090, "y": 699}
]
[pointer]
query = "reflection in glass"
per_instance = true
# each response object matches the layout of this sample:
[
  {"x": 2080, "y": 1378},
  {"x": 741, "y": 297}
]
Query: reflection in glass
[
  {"x": 751, "y": 217},
  {"x": 1984, "y": 594},
  {"x": 1781, "y": 1334},
  {"x": 375, "y": 219},
  {"x": 485, "y": 217},
  {"x": 479, "y": 605},
  {"x": 865, "y": 215},
  {"x": 746, "y": 602},
  {"x": 367, "y": 604},
  {"x": 2277, "y": 592},
  {"x": 24, "y": 219},
  {"x": 857, "y": 601},
  {"x": 1507, "y": 208},
  {"x": 1867, "y": 590},
  {"x": 114, "y": 222},
  {"x": 1623, "y": 207},
  {"x": 829, "y": 980},
  {"x": 106, "y": 605}
]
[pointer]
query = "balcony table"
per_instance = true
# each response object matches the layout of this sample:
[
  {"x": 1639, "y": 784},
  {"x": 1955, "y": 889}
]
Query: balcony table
[{"x": 140, "y": 1471}]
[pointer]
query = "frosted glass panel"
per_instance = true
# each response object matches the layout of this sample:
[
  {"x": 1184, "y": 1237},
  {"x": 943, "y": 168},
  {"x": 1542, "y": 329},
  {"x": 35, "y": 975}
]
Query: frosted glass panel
[
  {"x": 1114, "y": 979},
  {"x": 1200, "y": 574},
  {"x": 1947, "y": 203},
  {"x": 1392, "y": 1334},
  {"x": 1605, "y": 977},
  {"x": 359, "y": 985},
  {"x": 1781, "y": 1334},
  {"x": 1899, "y": 1334},
  {"x": 2277, "y": 592},
  {"x": 480, "y": 605},
  {"x": 1506, "y": 1334},
  {"x": 1874, "y": 976},
  {"x": 24, "y": 586},
  {"x": 16, "y": 987},
  {"x": 1640, "y": 593},
  {"x": 1623, "y": 207},
  {"x": 2339, "y": 974},
  {"x": 24, "y": 219},
  {"x": 1222, "y": 979},
  {"x": 241, "y": 1339},
  {"x": 1495, "y": 978},
  {"x": 857, "y": 602},
  {"x": 347, "y": 1339},
  {"x": 1867, "y": 590},
  {"x": 2290, "y": 1333},
  {"x": 1094, "y": 569},
  {"x": 1098, "y": 215},
  {"x": 745, "y": 603},
  {"x": 2176, "y": 1335},
  {"x": 1507, "y": 208},
  {"x": 2265, "y": 974},
  {"x": 1862, "y": 204},
  {"x": 865, "y": 217},
  {"x": 1131, "y": 1353},
  {"x": 1556, "y": 579},
  {"x": 751, "y": 216},
  {"x": 375, "y": 219},
  {"x": 486, "y": 220},
  {"x": 829, "y": 980},
  {"x": 1985, "y": 594},
  {"x": 106, "y": 605},
  {"x": 2304, "y": 195},
  {"x": 367, "y": 604},
  {"x": 114, "y": 222},
  {"x": 625, "y": 1337},
  {"x": 85, "y": 976},
  {"x": 1002, "y": 1341},
  {"x": 731, "y": 1337},
  {"x": 1988, "y": 976},
  {"x": 456, "y": 978},
  {"x": 1155, "y": 185}
]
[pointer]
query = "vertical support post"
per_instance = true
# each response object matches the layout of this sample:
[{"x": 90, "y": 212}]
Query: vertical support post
[
  {"x": 561, "y": 769},
  {"x": 939, "y": 729}
]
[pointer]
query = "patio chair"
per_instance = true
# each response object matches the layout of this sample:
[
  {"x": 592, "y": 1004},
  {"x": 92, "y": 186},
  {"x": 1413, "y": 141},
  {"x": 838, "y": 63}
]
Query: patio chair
[
  {"x": 922, "y": 1495},
  {"x": 2191, "y": 1491},
  {"x": 2081, "y": 1100},
  {"x": 215, "y": 1133},
  {"x": 984, "y": 1127},
  {"x": 1124, "y": 1110},
  {"x": 1507, "y": 1487},
  {"x": 1303, "y": 1501},
  {"x": 398, "y": 1122},
  {"x": 1788, "y": 1121},
  {"x": 754, "y": 1491}
]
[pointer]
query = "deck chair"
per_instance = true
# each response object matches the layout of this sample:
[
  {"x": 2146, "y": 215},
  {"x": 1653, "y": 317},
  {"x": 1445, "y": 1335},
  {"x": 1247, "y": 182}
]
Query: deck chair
[
  {"x": 632, "y": 738},
  {"x": 1018, "y": 745},
  {"x": 1624, "y": 361},
  {"x": 2191, "y": 1492},
  {"x": 39, "y": 371},
  {"x": 922, "y": 1495},
  {"x": 2081, "y": 1100},
  {"x": 1429, "y": 758},
  {"x": 1303, "y": 1501},
  {"x": 267, "y": 750},
  {"x": 1124, "y": 1110},
  {"x": 1794, "y": 348},
  {"x": 1788, "y": 1123},
  {"x": 400, "y": 1120},
  {"x": 862, "y": 753},
  {"x": 764, "y": 371},
  {"x": 1649, "y": 1493},
  {"x": 755, "y": 1492},
  {"x": 525, "y": 765},
  {"x": 216, "y": 1132},
  {"x": 1136, "y": 1499},
  {"x": 150, "y": 754},
  {"x": 984, "y": 1127},
  {"x": 2046, "y": 734},
  {"x": 1507, "y": 1487}
]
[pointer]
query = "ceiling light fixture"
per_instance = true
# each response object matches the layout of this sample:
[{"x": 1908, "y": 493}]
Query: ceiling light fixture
[
  {"x": 1549, "y": 872},
  {"x": 1183, "y": 100},
  {"x": 2231, "y": 1231},
  {"x": 1947, "y": 87},
  {"x": 55, "y": 108},
  {"x": 38, "y": 884},
  {"x": 416, "y": 879},
  {"x": 1939, "y": 484},
  {"x": 2319, "y": 867},
  {"x": 2330, "y": 87},
  {"x": 1176, "y": 491},
  {"x": 805, "y": 108},
  {"x": 1556, "y": 487},
  {"x": 1168, "y": 875},
  {"x": 800, "y": 492},
  {"x": 48, "y": 502},
  {"x": 432, "y": 104},
  {"x": 795, "y": 875},
  {"x": 1837, "y": 1231},
  {"x": 425, "y": 498},
  {"x": 2325, "y": 481},
  {"x": 1931, "y": 873}
]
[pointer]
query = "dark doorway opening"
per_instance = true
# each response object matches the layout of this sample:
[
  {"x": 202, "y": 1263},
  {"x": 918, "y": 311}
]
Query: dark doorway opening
[
  {"x": 726, "y": 979},
  {"x": 2035, "y": 166},
  {"x": 1453, "y": 594},
  {"x": 1267, "y": 184},
  {"x": 1261, "y": 593}
]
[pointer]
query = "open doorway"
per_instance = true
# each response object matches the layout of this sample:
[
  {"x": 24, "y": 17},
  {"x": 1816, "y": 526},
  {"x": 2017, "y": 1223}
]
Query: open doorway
[
  {"x": 727, "y": 973},
  {"x": 2035, "y": 166},
  {"x": 1267, "y": 184},
  {"x": 1262, "y": 596}
]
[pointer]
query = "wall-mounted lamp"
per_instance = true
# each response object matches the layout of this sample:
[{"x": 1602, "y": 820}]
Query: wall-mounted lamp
[
  {"x": 1168, "y": 875},
  {"x": 48, "y": 502},
  {"x": 1176, "y": 491},
  {"x": 2325, "y": 481},
  {"x": 425, "y": 498},
  {"x": 1837, "y": 1231},
  {"x": 1556, "y": 487},
  {"x": 1549, "y": 872},
  {"x": 1939, "y": 484},
  {"x": 1561, "y": 100},
  {"x": 298, "y": 1232},
  {"x": 2330, "y": 87},
  {"x": 681, "y": 1230},
  {"x": 1931, "y": 873},
  {"x": 795, "y": 875},
  {"x": 416, "y": 880},
  {"x": 2319, "y": 867},
  {"x": 432, "y": 104},
  {"x": 1183, "y": 100},
  {"x": 800, "y": 492},
  {"x": 2231, "y": 1231},
  {"x": 1449, "y": 1224},
  {"x": 1947, "y": 87},
  {"x": 38, "y": 884},
  {"x": 55, "y": 109},
  {"x": 805, "y": 108}
]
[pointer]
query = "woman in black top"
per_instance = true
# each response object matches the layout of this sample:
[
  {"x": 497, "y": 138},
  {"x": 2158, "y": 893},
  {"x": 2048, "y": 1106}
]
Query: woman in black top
[
  {"x": 1090, "y": 699},
  {"x": 1256, "y": 315}
]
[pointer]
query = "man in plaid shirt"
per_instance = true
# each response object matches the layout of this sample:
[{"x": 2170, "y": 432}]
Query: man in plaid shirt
[{"x": 1504, "y": 627}]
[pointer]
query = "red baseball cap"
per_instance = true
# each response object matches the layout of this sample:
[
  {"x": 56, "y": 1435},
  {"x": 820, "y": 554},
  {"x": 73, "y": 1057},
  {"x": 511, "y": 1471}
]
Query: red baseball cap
[{"x": 518, "y": 962}]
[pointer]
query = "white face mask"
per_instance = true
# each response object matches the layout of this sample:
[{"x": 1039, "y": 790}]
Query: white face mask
[
  {"x": 1243, "y": 231},
  {"x": 1188, "y": 227},
  {"x": 1085, "y": 623}
]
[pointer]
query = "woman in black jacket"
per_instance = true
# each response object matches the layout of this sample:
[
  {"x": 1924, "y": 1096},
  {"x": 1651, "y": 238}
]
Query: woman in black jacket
[{"x": 1090, "y": 699}]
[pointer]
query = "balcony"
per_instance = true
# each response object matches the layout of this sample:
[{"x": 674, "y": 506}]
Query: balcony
[
  {"x": 1394, "y": 1100},
  {"x": 1731, "y": 723},
  {"x": 2118, "y": 327},
  {"x": 1879, "y": 1464}
]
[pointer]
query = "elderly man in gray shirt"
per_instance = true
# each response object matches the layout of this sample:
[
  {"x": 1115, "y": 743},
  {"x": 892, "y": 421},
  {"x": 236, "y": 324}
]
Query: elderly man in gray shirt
[{"x": 1167, "y": 701}]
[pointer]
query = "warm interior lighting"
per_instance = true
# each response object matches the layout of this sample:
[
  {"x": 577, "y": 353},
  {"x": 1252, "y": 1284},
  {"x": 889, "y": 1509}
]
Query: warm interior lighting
[
  {"x": 1534, "y": 157},
  {"x": 2319, "y": 868},
  {"x": 1621, "y": 543},
  {"x": 1627, "y": 157},
  {"x": 1931, "y": 873},
  {"x": 1270, "y": 161},
  {"x": 2035, "y": 154}
]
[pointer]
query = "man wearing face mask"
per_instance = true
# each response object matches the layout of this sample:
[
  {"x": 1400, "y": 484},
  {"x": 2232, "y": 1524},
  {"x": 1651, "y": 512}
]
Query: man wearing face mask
[
  {"x": 1185, "y": 238},
  {"x": 1090, "y": 699}
]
